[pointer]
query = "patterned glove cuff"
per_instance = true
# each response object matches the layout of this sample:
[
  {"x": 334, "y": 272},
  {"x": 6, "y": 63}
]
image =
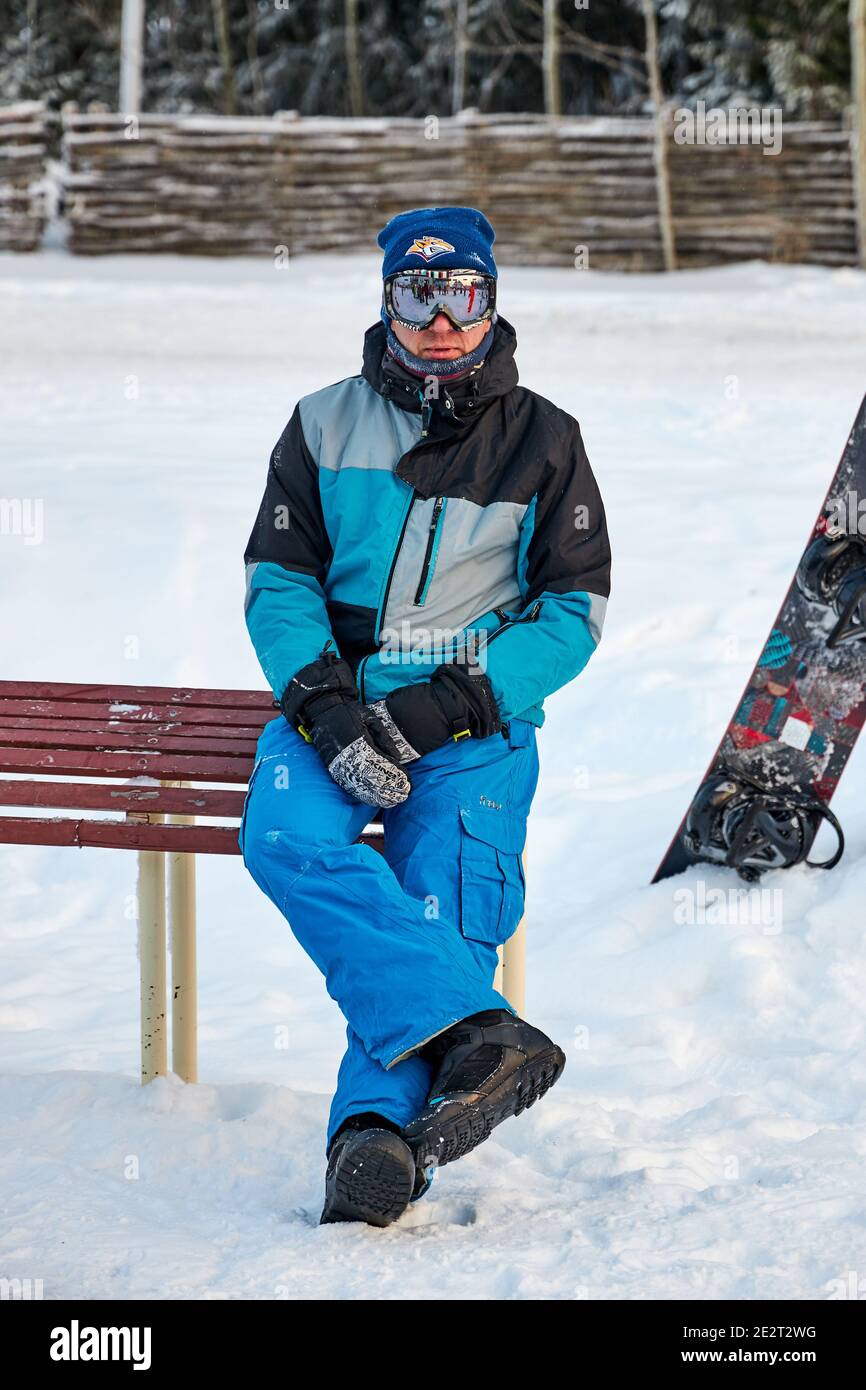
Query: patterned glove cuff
[{"x": 405, "y": 752}]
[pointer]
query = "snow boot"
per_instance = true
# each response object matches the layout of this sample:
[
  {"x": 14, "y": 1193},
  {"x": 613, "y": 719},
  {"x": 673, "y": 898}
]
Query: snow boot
[
  {"x": 371, "y": 1173},
  {"x": 488, "y": 1067}
]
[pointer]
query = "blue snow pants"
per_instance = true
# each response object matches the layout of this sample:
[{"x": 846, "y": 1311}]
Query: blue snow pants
[{"x": 407, "y": 940}]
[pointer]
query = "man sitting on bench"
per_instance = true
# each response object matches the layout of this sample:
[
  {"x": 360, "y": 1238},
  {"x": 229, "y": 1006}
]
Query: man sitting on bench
[{"x": 430, "y": 560}]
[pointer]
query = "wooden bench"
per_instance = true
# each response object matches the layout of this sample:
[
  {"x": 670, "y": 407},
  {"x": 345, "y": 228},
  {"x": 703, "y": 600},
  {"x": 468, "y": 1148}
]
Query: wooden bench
[{"x": 144, "y": 751}]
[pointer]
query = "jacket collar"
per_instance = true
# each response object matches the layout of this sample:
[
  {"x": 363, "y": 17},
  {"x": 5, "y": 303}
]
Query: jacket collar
[{"x": 496, "y": 376}]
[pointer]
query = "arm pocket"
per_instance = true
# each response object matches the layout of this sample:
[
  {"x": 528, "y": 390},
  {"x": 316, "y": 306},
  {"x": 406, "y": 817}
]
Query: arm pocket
[{"x": 492, "y": 886}]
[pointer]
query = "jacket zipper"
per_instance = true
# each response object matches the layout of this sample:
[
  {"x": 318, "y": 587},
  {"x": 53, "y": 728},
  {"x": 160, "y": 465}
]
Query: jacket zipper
[
  {"x": 380, "y": 615},
  {"x": 422, "y": 443},
  {"x": 436, "y": 517},
  {"x": 529, "y": 617}
]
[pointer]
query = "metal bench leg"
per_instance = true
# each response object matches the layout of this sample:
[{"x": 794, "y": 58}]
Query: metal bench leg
[
  {"x": 511, "y": 972},
  {"x": 151, "y": 955},
  {"x": 184, "y": 1003},
  {"x": 497, "y": 978},
  {"x": 184, "y": 993},
  {"x": 514, "y": 968}
]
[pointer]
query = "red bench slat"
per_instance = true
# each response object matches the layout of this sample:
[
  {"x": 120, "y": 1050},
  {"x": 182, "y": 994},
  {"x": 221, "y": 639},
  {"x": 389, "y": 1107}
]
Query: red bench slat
[
  {"x": 104, "y": 711},
  {"x": 138, "y": 694},
  {"x": 144, "y": 728},
  {"x": 109, "y": 741},
  {"x": 95, "y": 796},
  {"x": 165, "y": 767},
  {"x": 107, "y": 834}
]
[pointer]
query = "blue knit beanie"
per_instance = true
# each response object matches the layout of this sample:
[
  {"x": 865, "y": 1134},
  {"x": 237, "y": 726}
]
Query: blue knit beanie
[{"x": 443, "y": 238}]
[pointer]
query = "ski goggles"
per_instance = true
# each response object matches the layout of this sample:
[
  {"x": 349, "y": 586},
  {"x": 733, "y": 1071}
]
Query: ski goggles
[{"x": 415, "y": 297}]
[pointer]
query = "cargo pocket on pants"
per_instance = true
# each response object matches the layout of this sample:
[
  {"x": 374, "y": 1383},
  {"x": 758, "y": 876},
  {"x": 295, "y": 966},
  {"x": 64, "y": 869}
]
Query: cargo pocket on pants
[{"x": 492, "y": 886}]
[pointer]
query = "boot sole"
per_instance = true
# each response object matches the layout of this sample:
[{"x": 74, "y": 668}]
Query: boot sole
[
  {"x": 442, "y": 1139},
  {"x": 375, "y": 1185}
]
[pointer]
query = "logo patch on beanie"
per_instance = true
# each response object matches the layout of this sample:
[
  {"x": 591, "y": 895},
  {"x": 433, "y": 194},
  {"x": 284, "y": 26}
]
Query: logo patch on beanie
[{"x": 428, "y": 247}]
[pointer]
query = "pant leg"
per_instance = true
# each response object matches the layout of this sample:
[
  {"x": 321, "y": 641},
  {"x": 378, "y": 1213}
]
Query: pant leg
[
  {"x": 397, "y": 977},
  {"x": 455, "y": 846},
  {"x": 364, "y": 1085}
]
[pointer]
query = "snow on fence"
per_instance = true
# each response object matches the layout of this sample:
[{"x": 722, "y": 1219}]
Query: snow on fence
[
  {"x": 224, "y": 186},
  {"x": 23, "y": 139}
]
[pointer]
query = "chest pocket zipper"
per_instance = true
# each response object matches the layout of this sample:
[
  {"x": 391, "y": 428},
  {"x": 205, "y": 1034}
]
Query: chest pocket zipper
[{"x": 434, "y": 536}]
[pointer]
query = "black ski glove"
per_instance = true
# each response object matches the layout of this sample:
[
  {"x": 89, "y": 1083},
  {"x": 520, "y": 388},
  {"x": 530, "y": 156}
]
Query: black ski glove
[
  {"x": 457, "y": 702},
  {"x": 321, "y": 702}
]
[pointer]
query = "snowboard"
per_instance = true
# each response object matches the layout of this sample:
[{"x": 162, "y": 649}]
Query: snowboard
[{"x": 767, "y": 790}]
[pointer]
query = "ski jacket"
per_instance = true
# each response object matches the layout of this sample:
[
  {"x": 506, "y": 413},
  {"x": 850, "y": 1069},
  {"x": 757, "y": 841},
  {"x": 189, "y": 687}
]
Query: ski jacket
[{"x": 410, "y": 531}]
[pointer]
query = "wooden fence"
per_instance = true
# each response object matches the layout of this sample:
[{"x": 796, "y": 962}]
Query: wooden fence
[
  {"x": 220, "y": 186},
  {"x": 23, "y": 135},
  {"x": 735, "y": 202},
  {"x": 230, "y": 186}
]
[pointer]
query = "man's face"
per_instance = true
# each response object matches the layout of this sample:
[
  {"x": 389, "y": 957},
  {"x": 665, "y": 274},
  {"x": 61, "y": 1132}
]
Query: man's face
[{"x": 440, "y": 341}]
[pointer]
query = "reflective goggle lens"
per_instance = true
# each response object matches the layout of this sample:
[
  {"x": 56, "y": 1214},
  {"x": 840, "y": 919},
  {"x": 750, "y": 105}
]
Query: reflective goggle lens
[{"x": 415, "y": 300}]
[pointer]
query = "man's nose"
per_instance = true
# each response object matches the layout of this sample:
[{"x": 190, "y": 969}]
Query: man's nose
[{"x": 442, "y": 324}]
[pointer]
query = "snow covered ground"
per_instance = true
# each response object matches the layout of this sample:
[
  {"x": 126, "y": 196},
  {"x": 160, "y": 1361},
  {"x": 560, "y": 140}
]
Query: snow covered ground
[{"x": 708, "y": 1138}]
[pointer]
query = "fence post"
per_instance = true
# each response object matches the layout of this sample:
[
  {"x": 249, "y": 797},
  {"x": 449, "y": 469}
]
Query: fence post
[
  {"x": 550, "y": 60},
  {"x": 131, "y": 45},
  {"x": 662, "y": 167},
  {"x": 184, "y": 1000},
  {"x": 151, "y": 955},
  {"x": 353, "y": 57}
]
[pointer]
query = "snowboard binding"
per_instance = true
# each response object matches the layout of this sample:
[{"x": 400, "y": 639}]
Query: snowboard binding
[
  {"x": 833, "y": 573},
  {"x": 737, "y": 822}
]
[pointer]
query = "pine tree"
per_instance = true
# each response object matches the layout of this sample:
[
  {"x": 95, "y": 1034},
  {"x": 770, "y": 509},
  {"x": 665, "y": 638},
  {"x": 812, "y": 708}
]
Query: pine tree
[{"x": 789, "y": 53}]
